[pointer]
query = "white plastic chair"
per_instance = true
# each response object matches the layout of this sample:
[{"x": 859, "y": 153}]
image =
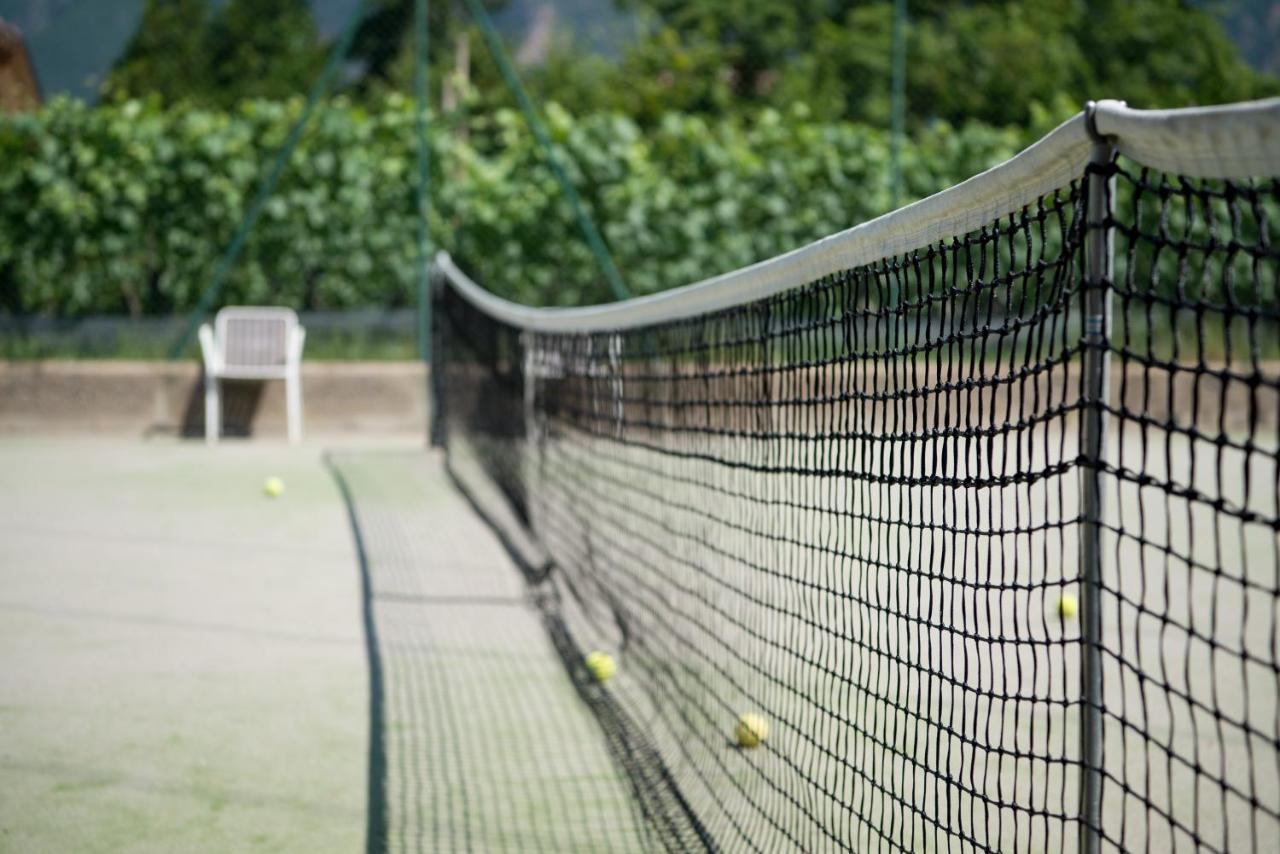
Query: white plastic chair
[{"x": 252, "y": 344}]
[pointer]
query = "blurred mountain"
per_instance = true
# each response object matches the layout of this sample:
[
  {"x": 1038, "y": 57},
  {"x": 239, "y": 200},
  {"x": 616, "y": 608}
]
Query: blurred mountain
[
  {"x": 1254, "y": 26},
  {"x": 73, "y": 42}
]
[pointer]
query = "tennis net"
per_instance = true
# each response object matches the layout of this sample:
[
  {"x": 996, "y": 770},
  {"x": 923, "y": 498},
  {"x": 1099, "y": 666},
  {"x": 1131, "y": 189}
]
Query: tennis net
[{"x": 975, "y": 507}]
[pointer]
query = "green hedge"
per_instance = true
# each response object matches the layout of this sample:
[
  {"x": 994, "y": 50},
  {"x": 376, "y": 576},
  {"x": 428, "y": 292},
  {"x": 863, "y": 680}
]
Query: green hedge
[{"x": 126, "y": 208}]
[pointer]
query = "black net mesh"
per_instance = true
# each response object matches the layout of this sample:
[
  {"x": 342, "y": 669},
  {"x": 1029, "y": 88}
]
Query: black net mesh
[
  {"x": 1191, "y": 587},
  {"x": 852, "y": 511}
]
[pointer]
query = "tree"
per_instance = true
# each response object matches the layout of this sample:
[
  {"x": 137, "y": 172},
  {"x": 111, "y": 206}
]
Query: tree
[
  {"x": 248, "y": 48},
  {"x": 759, "y": 38},
  {"x": 993, "y": 61},
  {"x": 997, "y": 61},
  {"x": 846, "y": 70},
  {"x": 263, "y": 49},
  {"x": 1006, "y": 62},
  {"x": 1164, "y": 53},
  {"x": 168, "y": 54},
  {"x": 384, "y": 41}
]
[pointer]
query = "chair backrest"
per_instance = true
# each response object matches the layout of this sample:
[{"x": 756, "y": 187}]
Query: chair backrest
[{"x": 255, "y": 337}]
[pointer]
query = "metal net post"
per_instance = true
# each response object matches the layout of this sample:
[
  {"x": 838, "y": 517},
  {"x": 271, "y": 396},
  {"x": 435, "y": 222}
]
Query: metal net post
[
  {"x": 1098, "y": 268},
  {"x": 436, "y": 362}
]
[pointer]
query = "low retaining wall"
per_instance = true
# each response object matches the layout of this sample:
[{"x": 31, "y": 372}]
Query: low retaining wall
[{"x": 143, "y": 397}]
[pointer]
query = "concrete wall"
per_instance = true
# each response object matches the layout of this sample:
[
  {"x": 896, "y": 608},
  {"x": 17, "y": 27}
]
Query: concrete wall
[
  {"x": 143, "y": 397},
  {"x": 148, "y": 397}
]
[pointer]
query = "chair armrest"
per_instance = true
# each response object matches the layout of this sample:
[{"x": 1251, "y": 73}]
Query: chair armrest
[
  {"x": 296, "y": 343},
  {"x": 207, "y": 349}
]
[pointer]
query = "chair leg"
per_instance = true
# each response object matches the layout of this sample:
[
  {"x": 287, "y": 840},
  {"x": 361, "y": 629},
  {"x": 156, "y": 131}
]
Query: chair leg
[
  {"x": 212, "y": 409},
  {"x": 293, "y": 393}
]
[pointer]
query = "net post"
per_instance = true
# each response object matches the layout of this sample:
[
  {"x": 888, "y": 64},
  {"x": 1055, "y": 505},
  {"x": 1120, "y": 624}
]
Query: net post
[
  {"x": 435, "y": 366},
  {"x": 1098, "y": 264}
]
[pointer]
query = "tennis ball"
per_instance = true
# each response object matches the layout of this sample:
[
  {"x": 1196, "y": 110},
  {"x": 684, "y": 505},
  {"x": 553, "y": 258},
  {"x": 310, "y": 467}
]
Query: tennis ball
[
  {"x": 274, "y": 487},
  {"x": 1068, "y": 606},
  {"x": 751, "y": 729},
  {"x": 601, "y": 665}
]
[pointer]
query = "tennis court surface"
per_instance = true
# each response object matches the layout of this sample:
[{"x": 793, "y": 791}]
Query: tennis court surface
[{"x": 184, "y": 663}]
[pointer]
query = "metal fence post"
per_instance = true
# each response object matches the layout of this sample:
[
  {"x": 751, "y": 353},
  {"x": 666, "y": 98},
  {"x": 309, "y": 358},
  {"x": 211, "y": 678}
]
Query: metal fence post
[
  {"x": 437, "y": 362},
  {"x": 1096, "y": 381},
  {"x": 421, "y": 105},
  {"x": 897, "y": 100}
]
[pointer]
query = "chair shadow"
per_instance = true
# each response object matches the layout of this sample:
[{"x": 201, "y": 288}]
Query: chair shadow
[{"x": 241, "y": 401}]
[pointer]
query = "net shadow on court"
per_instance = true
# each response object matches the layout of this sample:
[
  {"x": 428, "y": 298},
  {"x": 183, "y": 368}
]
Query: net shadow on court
[{"x": 479, "y": 736}]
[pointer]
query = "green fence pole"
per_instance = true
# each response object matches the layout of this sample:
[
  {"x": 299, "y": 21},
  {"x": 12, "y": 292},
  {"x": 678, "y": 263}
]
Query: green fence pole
[
  {"x": 589, "y": 230},
  {"x": 422, "y": 101},
  {"x": 229, "y": 258},
  {"x": 898, "y": 101}
]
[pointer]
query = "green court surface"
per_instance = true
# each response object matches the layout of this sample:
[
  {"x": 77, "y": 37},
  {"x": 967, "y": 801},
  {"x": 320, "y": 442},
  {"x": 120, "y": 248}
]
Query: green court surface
[{"x": 184, "y": 662}]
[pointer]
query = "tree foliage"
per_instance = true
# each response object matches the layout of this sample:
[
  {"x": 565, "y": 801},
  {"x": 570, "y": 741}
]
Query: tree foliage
[
  {"x": 187, "y": 50},
  {"x": 384, "y": 41},
  {"x": 169, "y": 53},
  {"x": 263, "y": 49},
  {"x": 126, "y": 207},
  {"x": 724, "y": 134},
  {"x": 995, "y": 61}
]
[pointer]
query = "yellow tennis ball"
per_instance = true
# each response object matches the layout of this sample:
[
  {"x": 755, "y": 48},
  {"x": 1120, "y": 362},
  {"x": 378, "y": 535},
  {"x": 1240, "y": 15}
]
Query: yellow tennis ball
[
  {"x": 601, "y": 665},
  {"x": 751, "y": 729},
  {"x": 1068, "y": 606},
  {"x": 274, "y": 487}
]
